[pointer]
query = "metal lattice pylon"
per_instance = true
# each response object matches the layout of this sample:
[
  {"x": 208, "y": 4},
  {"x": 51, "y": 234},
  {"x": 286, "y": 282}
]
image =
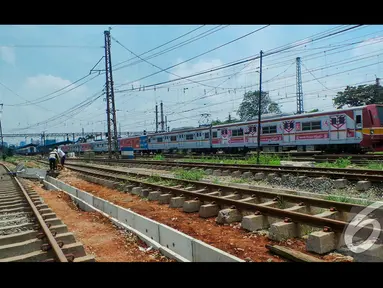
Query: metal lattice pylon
[
  {"x": 110, "y": 107},
  {"x": 299, "y": 87}
]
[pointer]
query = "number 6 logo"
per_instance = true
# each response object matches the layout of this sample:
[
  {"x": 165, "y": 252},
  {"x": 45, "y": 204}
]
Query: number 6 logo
[{"x": 358, "y": 223}]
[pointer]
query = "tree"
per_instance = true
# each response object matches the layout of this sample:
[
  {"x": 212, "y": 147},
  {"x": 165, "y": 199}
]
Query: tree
[
  {"x": 248, "y": 109},
  {"x": 358, "y": 96},
  {"x": 219, "y": 122},
  {"x": 313, "y": 111}
]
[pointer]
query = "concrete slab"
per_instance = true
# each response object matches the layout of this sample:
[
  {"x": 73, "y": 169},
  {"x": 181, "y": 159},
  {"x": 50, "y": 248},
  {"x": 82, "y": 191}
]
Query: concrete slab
[
  {"x": 136, "y": 190},
  {"x": 236, "y": 174},
  {"x": 363, "y": 185},
  {"x": 259, "y": 176},
  {"x": 191, "y": 206},
  {"x": 125, "y": 216},
  {"x": 110, "y": 209},
  {"x": 247, "y": 175},
  {"x": 154, "y": 195},
  {"x": 255, "y": 222},
  {"x": 227, "y": 216},
  {"x": 208, "y": 210},
  {"x": 206, "y": 253},
  {"x": 164, "y": 198},
  {"x": 177, "y": 202},
  {"x": 340, "y": 183},
  {"x": 98, "y": 203},
  {"x": 147, "y": 227},
  {"x": 321, "y": 242},
  {"x": 176, "y": 241},
  {"x": 281, "y": 231}
]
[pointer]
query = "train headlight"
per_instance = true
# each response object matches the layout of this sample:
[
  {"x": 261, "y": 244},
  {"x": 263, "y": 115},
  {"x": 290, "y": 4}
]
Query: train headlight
[{"x": 371, "y": 131}]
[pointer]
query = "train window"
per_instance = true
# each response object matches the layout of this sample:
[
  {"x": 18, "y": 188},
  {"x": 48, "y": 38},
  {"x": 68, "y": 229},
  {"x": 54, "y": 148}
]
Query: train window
[
  {"x": 269, "y": 129},
  {"x": 238, "y": 132},
  {"x": 358, "y": 119},
  {"x": 189, "y": 137},
  {"x": 306, "y": 126},
  {"x": 311, "y": 126},
  {"x": 159, "y": 139},
  {"x": 316, "y": 125},
  {"x": 173, "y": 138},
  {"x": 207, "y": 135},
  {"x": 215, "y": 134}
]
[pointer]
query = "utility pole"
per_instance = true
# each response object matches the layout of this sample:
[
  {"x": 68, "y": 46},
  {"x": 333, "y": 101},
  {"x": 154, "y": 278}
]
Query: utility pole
[
  {"x": 110, "y": 107},
  {"x": 299, "y": 87},
  {"x": 259, "y": 108},
  {"x": 1, "y": 133},
  {"x": 229, "y": 118},
  {"x": 162, "y": 118},
  {"x": 166, "y": 123},
  {"x": 156, "y": 118}
]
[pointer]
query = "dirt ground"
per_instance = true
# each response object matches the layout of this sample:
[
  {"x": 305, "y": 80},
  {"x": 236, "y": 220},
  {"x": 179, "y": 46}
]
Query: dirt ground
[
  {"x": 99, "y": 236},
  {"x": 230, "y": 238}
]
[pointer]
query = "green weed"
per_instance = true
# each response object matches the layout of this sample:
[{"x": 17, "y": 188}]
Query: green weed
[
  {"x": 193, "y": 175},
  {"x": 339, "y": 163},
  {"x": 264, "y": 159},
  {"x": 159, "y": 157},
  {"x": 345, "y": 199}
]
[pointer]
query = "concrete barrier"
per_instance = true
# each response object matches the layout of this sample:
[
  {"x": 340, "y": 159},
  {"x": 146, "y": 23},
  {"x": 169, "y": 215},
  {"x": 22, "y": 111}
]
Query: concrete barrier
[{"x": 168, "y": 241}]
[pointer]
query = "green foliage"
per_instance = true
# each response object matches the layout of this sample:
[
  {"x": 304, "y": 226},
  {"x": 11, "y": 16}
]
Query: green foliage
[
  {"x": 339, "y": 163},
  {"x": 192, "y": 175},
  {"x": 345, "y": 199},
  {"x": 313, "y": 111},
  {"x": 359, "y": 96},
  {"x": 249, "y": 107},
  {"x": 375, "y": 165},
  {"x": 264, "y": 159},
  {"x": 159, "y": 157}
]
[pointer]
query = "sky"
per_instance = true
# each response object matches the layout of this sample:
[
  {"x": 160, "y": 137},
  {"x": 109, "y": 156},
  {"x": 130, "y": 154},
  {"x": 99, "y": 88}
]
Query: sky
[{"x": 39, "y": 61}]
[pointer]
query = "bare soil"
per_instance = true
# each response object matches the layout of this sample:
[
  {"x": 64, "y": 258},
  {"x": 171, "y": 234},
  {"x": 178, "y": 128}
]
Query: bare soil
[
  {"x": 230, "y": 238},
  {"x": 99, "y": 236}
]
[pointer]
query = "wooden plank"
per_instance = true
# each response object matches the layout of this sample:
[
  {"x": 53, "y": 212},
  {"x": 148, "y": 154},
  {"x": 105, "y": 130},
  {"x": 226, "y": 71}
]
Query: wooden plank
[{"x": 291, "y": 254}]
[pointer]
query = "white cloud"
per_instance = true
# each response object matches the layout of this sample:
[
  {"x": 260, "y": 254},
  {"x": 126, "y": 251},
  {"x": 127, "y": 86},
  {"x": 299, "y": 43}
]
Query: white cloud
[{"x": 8, "y": 55}]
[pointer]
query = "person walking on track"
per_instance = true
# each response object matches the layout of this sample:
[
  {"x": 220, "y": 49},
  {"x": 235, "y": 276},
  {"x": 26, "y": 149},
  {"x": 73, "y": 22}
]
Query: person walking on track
[
  {"x": 53, "y": 160},
  {"x": 62, "y": 156}
]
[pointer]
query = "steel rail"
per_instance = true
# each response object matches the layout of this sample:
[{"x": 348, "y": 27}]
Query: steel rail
[
  {"x": 354, "y": 174},
  {"x": 52, "y": 241},
  {"x": 297, "y": 217},
  {"x": 339, "y": 206}
]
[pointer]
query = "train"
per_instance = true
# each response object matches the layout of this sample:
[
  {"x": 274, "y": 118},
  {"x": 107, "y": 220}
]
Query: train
[{"x": 349, "y": 130}]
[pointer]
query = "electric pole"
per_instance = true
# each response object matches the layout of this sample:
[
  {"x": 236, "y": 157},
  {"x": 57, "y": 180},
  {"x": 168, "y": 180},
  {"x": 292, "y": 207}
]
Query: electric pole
[
  {"x": 166, "y": 123},
  {"x": 156, "y": 118},
  {"x": 259, "y": 108},
  {"x": 162, "y": 117},
  {"x": 299, "y": 87},
  {"x": 110, "y": 107}
]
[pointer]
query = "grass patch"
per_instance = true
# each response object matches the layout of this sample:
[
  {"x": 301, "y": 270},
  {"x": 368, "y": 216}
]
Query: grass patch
[
  {"x": 374, "y": 165},
  {"x": 339, "y": 163},
  {"x": 159, "y": 157},
  {"x": 345, "y": 199},
  {"x": 239, "y": 180},
  {"x": 193, "y": 175},
  {"x": 158, "y": 180},
  {"x": 264, "y": 159},
  {"x": 216, "y": 181}
]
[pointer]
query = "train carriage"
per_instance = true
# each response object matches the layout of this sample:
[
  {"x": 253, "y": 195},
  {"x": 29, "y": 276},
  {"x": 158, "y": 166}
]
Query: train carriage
[{"x": 343, "y": 130}]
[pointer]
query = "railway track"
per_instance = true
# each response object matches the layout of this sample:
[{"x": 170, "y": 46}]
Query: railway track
[
  {"x": 29, "y": 230},
  {"x": 285, "y": 215},
  {"x": 255, "y": 170}
]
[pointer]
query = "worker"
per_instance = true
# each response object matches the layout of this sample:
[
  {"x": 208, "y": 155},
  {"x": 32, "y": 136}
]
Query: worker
[
  {"x": 62, "y": 156},
  {"x": 53, "y": 159}
]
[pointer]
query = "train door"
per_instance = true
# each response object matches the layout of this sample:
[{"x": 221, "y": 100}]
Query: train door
[
  {"x": 338, "y": 127},
  {"x": 288, "y": 131},
  {"x": 356, "y": 131}
]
